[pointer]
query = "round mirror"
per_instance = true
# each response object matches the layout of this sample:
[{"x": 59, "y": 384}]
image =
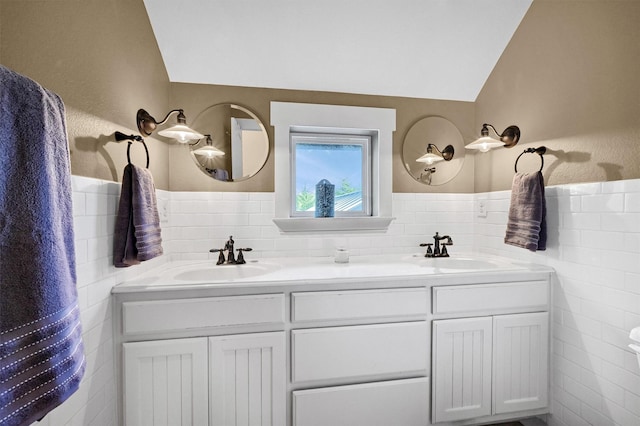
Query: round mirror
[
  {"x": 433, "y": 151},
  {"x": 235, "y": 146}
]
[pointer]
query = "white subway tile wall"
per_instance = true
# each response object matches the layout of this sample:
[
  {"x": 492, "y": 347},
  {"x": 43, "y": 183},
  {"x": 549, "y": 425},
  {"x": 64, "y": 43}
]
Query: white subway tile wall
[
  {"x": 95, "y": 204},
  {"x": 594, "y": 245},
  {"x": 200, "y": 221}
]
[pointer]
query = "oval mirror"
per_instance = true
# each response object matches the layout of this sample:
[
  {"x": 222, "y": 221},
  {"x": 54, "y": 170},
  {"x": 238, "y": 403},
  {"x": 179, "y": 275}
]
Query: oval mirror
[
  {"x": 236, "y": 144},
  {"x": 433, "y": 151}
]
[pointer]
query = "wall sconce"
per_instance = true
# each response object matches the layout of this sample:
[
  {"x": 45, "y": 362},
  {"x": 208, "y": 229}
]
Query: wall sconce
[
  {"x": 208, "y": 150},
  {"x": 430, "y": 157},
  {"x": 147, "y": 124},
  {"x": 508, "y": 138}
]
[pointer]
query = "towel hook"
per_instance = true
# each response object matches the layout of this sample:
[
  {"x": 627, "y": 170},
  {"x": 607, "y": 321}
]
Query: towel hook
[
  {"x": 540, "y": 151},
  {"x": 122, "y": 137}
]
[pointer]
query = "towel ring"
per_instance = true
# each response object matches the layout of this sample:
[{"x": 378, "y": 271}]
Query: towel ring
[
  {"x": 145, "y": 150},
  {"x": 130, "y": 138},
  {"x": 540, "y": 151}
]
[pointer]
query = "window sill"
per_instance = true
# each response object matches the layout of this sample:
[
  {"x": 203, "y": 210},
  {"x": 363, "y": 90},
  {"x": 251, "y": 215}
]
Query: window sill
[{"x": 339, "y": 224}]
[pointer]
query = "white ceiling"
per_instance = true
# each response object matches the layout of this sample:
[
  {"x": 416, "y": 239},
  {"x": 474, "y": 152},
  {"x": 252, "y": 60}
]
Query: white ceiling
[{"x": 434, "y": 49}]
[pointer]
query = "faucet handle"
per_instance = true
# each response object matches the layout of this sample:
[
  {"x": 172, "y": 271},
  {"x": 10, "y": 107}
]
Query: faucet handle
[
  {"x": 240, "y": 260},
  {"x": 444, "y": 252},
  {"x": 429, "y": 252},
  {"x": 221, "y": 258}
]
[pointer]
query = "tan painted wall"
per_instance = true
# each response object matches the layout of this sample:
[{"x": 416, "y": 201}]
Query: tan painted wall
[
  {"x": 101, "y": 57},
  {"x": 570, "y": 79},
  {"x": 186, "y": 177}
]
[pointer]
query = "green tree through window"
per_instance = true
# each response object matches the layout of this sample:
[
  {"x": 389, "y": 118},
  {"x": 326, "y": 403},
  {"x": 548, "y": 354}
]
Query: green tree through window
[
  {"x": 345, "y": 188},
  {"x": 305, "y": 199}
]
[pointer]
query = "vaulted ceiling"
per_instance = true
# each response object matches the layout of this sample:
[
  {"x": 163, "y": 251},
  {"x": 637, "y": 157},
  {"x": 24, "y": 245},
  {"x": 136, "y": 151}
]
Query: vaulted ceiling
[{"x": 434, "y": 49}]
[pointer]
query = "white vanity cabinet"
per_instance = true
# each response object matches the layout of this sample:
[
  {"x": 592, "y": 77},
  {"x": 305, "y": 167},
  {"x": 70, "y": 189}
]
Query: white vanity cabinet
[
  {"x": 433, "y": 348},
  {"x": 219, "y": 380},
  {"x": 494, "y": 364}
]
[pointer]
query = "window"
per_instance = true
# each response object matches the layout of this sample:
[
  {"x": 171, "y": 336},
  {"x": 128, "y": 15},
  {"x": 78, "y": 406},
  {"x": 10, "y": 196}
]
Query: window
[{"x": 343, "y": 160}]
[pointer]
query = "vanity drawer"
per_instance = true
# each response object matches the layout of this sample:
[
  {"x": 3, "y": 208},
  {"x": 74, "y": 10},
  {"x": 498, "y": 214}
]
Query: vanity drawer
[
  {"x": 161, "y": 316},
  {"x": 491, "y": 298},
  {"x": 397, "y": 402},
  {"x": 360, "y": 351},
  {"x": 407, "y": 303}
]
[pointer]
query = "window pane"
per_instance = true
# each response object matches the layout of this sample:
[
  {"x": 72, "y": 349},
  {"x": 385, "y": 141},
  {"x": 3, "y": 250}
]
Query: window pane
[{"x": 340, "y": 164}]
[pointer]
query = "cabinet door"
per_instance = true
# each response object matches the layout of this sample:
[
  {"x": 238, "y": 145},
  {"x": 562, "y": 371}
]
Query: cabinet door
[
  {"x": 461, "y": 369},
  {"x": 248, "y": 379},
  {"x": 165, "y": 382},
  {"x": 521, "y": 346}
]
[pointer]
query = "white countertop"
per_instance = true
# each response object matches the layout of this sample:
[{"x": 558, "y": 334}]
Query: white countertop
[{"x": 192, "y": 275}]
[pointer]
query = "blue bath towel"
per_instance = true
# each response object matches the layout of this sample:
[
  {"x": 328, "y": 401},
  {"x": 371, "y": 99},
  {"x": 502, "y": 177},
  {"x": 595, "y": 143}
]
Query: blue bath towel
[
  {"x": 41, "y": 351},
  {"x": 137, "y": 235},
  {"x": 527, "y": 227}
]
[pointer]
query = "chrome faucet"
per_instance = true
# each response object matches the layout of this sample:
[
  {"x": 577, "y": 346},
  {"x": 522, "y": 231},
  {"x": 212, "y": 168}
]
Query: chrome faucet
[
  {"x": 231, "y": 258},
  {"x": 439, "y": 248}
]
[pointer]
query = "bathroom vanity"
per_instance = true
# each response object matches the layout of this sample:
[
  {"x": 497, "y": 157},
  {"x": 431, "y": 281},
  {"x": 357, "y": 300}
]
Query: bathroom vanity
[{"x": 299, "y": 342}]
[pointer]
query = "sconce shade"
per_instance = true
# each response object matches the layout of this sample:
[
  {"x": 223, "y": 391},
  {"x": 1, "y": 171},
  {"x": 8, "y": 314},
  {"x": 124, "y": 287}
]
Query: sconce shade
[
  {"x": 181, "y": 132},
  {"x": 430, "y": 157},
  {"x": 208, "y": 150},
  {"x": 484, "y": 144},
  {"x": 508, "y": 138}
]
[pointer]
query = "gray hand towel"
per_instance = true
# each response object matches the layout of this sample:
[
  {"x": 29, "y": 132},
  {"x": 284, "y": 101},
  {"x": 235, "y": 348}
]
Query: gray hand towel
[
  {"x": 527, "y": 226},
  {"x": 41, "y": 349},
  {"x": 137, "y": 233}
]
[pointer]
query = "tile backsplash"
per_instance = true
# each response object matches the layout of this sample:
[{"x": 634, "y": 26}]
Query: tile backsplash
[
  {"x": 594, "y": 245},
  {"x": 199, "y": 221}
]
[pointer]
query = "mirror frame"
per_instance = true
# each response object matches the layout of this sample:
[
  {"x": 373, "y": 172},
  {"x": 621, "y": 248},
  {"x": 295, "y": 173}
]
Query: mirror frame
[
  {"x": 440, "y": 132},
  {"x": 198, "y": 124}
]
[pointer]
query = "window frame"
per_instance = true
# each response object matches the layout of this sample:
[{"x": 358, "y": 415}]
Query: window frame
[
  {"x": 333, "y": 138},
  {"x": 379, "y": 123}
]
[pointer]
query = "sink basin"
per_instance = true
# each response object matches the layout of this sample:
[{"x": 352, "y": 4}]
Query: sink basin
[
  {"x": 452, "y": 264},
  {"x": 212, "y": 273},
  {"x": 353, "y": 269}
]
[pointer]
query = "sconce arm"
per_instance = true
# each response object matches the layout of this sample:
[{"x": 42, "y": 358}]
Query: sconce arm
[
  {"x": 510, "y": 136},
  {"x": 206, "y": 137},
  {"x": 147, "y": 124},
  {"x": 486, "y": 130},
  {"x": 181, "y": 118},
  {"x": 431, "y": 147},
  {"x": 446, "y": 153}
]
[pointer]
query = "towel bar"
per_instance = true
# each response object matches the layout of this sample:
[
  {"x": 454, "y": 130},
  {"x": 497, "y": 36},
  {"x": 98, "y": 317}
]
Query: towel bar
[
  {"x": 540, "y": 151},
  {"x": 122, "y": 137}
]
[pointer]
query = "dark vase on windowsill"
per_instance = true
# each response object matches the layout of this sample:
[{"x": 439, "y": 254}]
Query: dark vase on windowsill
[{"x": 325, "y": 199}]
